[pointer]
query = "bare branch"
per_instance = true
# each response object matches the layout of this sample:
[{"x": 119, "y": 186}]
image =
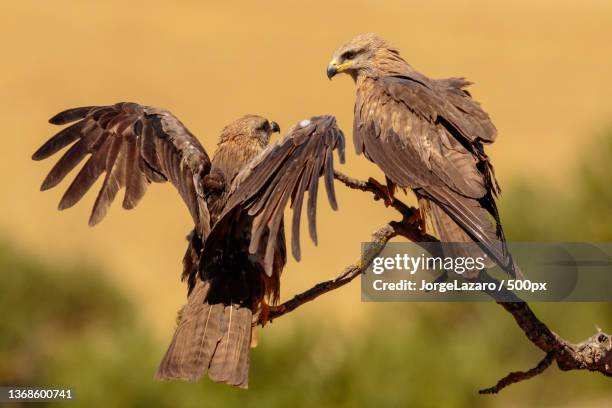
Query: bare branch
[
  {"x": 517, "y": 376},
  {"x": 594, "y": 354},
  {"x": 379, "y": 240},
  {"x": 380, "y": 193}
]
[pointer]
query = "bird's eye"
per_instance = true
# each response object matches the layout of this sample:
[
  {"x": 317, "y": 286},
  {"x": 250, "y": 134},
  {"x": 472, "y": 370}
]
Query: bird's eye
[{"x": 347, "y": 55}]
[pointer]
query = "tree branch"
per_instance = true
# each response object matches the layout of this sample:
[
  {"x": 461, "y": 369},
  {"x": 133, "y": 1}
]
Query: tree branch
[
  {"x": 371, "y": 251},
  {"x": 517, "y": 376},
  {"x": 594, "y": 354}
]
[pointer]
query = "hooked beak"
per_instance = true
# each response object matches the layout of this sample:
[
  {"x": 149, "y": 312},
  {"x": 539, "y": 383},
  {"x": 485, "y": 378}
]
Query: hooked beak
[
  {"x": 335, "y": 67},
  {"x": 331, "y": 71},
  {"x": 274, "y": 126}
]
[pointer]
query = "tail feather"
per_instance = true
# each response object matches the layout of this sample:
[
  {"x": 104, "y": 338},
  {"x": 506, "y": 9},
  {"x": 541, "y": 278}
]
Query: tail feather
[
  {"x": 230, "y": 362},
  {"x": 213, "y": 339},
  {"x": 449, "y": 231},
  {"x": 460, "y": 219}
]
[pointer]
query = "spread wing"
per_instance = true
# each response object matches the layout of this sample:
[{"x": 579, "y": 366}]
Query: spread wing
[
  {"x": 428, "y": 135},
  {"x": 282, "y": 172},
  {"x": 133, "y": 145}
]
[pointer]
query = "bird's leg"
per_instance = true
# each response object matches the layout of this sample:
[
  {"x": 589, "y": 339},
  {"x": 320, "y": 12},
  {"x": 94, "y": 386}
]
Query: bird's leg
[
  {"x": 382, "y": 191},
  {"x": 265, "y": 310},
  {"x": 264, "y": 313},
  {"x": 416, "y": 218}
]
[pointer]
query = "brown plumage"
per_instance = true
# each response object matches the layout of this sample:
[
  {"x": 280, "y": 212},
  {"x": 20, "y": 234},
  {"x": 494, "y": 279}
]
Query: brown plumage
[
  {"x": 427, "y": 135},
  {"x": 236, "y": 251}
]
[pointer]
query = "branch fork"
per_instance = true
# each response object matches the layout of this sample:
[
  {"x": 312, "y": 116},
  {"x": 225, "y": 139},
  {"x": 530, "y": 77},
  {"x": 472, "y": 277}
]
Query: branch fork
[{"x": 593, "y": 354}]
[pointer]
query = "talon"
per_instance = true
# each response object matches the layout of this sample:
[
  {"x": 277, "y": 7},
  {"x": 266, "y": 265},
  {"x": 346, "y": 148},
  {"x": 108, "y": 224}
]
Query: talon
[
  {"x": 416, "y": 218},
  {"x": 264, "y": 313},
  {"x": 383, "y": 192}
]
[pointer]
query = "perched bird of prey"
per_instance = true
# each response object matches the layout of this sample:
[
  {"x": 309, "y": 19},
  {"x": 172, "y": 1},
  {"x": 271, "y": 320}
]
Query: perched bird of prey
[
  {"x": 427, "y": 135},
  {"x": 236, "y": 250}
]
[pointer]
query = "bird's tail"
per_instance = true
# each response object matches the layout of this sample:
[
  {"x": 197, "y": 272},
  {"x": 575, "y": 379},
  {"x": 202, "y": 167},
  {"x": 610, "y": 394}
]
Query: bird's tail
[
  {"x": 209, "y": 338},
  {"x": 458, "y": 219}
]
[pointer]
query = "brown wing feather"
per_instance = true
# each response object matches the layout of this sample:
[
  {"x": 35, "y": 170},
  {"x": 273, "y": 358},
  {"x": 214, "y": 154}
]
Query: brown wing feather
[
  {"x": 284, "y": 171},
  {"x": 134, "y": 145},
  {"x": 446, "y": 99}
]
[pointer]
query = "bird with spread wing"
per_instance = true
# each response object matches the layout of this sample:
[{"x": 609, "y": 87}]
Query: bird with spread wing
[
  {"x": 427, "y": 135},
  {"x": 236, "y": 251}
]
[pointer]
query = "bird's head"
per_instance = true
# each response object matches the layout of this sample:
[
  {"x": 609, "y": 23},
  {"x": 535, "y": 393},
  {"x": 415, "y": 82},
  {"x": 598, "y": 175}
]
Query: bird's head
[
  {"x": 250, "y": 127},
  {"x": 359, "y": 56}
]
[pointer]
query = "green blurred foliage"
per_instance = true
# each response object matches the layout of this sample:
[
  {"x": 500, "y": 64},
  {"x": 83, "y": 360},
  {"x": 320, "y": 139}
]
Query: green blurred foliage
[
  {"x": 68, "y": 326},
  {"x": 580, "y": 211}
]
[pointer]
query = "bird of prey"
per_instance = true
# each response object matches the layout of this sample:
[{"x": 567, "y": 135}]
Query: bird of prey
[
  {"x": 427, "y": 135},
  {"x": 236, "y": 251}
]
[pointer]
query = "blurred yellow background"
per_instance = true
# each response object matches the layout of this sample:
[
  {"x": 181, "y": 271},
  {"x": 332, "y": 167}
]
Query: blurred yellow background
[{"x": 541, "y": 69}]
